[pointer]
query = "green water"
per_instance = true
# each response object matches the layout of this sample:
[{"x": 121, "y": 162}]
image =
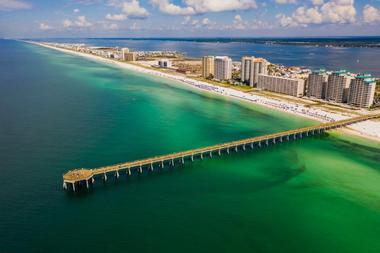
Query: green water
[{"x": 59, "y": 112}]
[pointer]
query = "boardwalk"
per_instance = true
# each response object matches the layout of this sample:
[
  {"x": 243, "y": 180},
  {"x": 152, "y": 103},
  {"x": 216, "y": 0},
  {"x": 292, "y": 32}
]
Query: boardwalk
[{"x": 85, "y": 177}]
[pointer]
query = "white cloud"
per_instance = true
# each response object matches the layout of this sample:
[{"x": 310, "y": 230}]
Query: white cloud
[
  {"x": 371, "y": 14},
  {"x": 193, "y": 7},
  {"x": 339, "y": 11},
  {"x": 317, "y": 2},
  {"x": 195, "y": 23},
  {"x": 306, "y": 16},
  {"x": 238, "y": 23},
  {"x": 134, "y": 27},
  {"x": 111, "y": 26},
  {"x": 76, "y": 10},
  {"x": 286, "y": 21},
  {"x": 79, "y": 22},
  {"x": 44, "y": 26},
  {"x": 67, "y": 23},
  {"x": 116, "y": 17},
  {"x": 286, "y": 1},
  {"x": 332, "y": 12},
  {"x": 9, "y": 5},
  {"x": 166, "y": 7},
  {"x": 130, "y": 9}
]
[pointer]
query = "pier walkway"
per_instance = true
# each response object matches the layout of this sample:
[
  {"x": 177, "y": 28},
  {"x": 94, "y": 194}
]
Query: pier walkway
[{"x": 85, "y": 177}]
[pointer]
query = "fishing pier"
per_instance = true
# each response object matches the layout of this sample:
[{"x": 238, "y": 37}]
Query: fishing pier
[{"x": 79, "y": 178}]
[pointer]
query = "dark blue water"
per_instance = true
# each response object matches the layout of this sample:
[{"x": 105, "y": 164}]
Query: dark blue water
[{"x": 354, "y": 59}]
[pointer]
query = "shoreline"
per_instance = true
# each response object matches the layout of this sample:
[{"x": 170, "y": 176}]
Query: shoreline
[{"x": 368, "y": 131}]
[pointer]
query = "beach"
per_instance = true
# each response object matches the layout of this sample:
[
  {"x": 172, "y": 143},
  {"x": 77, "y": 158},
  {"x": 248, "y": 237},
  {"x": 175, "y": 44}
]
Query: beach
[{"x": 368, "y": 129}]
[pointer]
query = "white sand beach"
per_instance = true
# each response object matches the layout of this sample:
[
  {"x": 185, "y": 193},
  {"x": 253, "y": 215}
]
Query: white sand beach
[{"x": 368, "y": 129}]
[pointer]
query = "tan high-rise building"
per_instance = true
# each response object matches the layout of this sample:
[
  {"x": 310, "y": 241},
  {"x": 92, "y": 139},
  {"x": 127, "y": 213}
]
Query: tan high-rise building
[
  {"x": 288, "y": 86},
  {"x": 208, "y": 66},
  {"x": 251, "y": 67},
  {"x": 337, "y": 86},
  {"x": 130, "y": 56},
  {"x": 362, "y": 91},
  {"x": 316, "y": 84},
  {"x": 223, "y": 68}
]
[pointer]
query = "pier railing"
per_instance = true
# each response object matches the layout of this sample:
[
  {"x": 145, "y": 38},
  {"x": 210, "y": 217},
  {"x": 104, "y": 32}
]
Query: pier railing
[{"x": 85, "y": 177}]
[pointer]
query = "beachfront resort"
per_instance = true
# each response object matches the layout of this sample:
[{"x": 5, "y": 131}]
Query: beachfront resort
[
  {"x": 338, "y": 88},
  {"x": 319, "y": 95}
]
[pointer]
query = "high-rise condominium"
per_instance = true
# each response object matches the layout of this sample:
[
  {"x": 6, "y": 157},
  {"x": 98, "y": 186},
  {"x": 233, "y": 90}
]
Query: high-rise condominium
[
  {"x": 223, "y": 68},
  {"x": 337, "y": 86},
  {"x": 288, "y": 86},
  {"x": 362, "y": 91},
  {"x": 316, "y": 84},
  {"x": 208, "y": 66},
  {"x": 251, "y": 67}
]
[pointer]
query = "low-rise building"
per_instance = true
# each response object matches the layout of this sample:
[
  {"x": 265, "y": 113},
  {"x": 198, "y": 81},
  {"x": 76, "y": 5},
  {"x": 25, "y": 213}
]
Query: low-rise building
[
  {"x": 164, "y": 63},
  {"x": 288, "y": 86}
]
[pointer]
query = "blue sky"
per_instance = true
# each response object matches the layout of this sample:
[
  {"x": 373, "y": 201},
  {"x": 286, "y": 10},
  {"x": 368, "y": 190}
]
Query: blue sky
[{"x": 188, "y": 18}]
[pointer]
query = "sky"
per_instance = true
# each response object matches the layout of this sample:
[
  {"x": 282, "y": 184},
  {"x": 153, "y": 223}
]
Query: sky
[{"x": 188, "y": 18}]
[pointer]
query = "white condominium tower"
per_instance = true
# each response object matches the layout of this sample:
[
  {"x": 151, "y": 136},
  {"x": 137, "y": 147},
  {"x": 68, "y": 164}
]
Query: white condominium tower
[
  {"x": 337, "y": 86},
  {"x": 251, "y": 67},
  {"x": 289, "y": 86},
  {"x": 208, "y": 66},
  {"x": 316, "y": 84},
  {"x": 362, "y": 91},
  {"x": 223, "y": 68}
]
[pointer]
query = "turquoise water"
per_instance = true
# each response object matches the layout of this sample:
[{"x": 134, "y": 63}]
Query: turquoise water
[{"x": 60, "y": 111}]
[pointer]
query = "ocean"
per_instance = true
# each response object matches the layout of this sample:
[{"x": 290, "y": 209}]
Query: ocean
[{"x": 59, "y": 111}]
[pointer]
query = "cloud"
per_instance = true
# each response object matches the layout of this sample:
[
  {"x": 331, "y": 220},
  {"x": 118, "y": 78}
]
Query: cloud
[
  {"x": 286, "y": 1},
  {"x": 76, "y": 10},
  {"x": 317, "y": 2},
  {"x": 198, "y": 23},
  {"x": 9, "y": 5},
  {"x": 339, "y": 11},
  {"x": 111, "y": 26},
  {"x": 44, "y": 26},
  {"x": 238, "y": 23},
  {"x": 371, "y": 14},
  {"x": 332, "y": 12},
  {"x": 116, "y": 17},
  {"x": 79, "y": 22},
  {"x": 130, "y": 9},
  {"x": 134, "y": 27},
  {"x": 193, "y": 7},
  {"x": 166, "y": 7}
]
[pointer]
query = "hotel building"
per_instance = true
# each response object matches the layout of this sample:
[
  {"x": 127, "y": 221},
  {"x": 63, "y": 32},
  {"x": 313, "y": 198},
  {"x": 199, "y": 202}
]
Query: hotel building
[
  {"x": 223, "y": 68},
  {"x": 316, "y": 84},
  {"x": 251, "y": 67},
  {"x": 288, "y": 86},
  {"x": 129, "y": 56},
  {"x": 337, "y": 86},
  {"x": 208, "y": 66},
  {"x": 362, "y": 91}
]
